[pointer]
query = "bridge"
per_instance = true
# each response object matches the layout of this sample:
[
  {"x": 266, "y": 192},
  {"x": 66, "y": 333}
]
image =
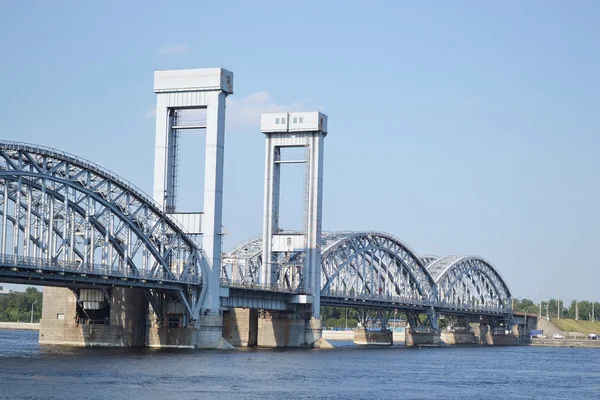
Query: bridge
[{"x": 124, "y": 268}]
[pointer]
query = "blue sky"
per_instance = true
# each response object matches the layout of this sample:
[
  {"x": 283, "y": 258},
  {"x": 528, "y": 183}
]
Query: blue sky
[{"x": 461, "y": 127}]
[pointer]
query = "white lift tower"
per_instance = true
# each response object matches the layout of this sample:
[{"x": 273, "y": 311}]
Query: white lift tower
[
  {"x": 202, "y": 91},
  {"x": 289, "y": 130}
]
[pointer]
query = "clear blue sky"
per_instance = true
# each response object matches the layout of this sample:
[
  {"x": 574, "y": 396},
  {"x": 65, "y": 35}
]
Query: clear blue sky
[{"x": 462, "y": 127}]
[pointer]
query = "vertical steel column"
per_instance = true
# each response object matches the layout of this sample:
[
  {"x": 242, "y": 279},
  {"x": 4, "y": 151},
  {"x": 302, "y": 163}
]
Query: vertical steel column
[
  {"x": 66, "y": 222},
  {"x": 171, "y": 166},
  {"x": 4, "y": 217},
  {"x": 50, "y": 232},
  {"x": 213, "y": 196},
  {"x": 271, "y": 207},
  {"x": 27, "y": 233},
  {"x": 72, "y": 237},
  {"x": 86, "y": 233},
  {"x": 17, "y": 222}
]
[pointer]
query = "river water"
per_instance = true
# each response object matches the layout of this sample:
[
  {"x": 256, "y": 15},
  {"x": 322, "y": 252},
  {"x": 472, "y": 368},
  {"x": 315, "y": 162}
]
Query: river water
[{"x": 31, "y": 371}]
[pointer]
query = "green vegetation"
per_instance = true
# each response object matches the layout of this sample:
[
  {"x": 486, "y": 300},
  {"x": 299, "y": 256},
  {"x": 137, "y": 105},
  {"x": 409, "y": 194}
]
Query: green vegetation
[
  {"x": 334, "y": 317},
  {"x": 581, "y": 310},
  {"x": 570, "y": 325},
  {"x": 16, "y": 306}
]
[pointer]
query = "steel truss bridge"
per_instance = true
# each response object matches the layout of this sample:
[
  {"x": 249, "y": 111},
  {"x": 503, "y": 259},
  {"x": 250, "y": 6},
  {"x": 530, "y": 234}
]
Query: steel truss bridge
[
  {"x": 376, "y": 270},
  {"x": 68, "y": 222}
]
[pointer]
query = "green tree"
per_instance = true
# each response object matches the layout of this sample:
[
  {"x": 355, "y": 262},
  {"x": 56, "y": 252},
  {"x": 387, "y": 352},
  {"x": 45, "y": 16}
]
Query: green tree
[{"x": 16, "y": 306}]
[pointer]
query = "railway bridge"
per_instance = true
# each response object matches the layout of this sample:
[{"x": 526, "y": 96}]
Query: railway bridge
[{"x": 122, "y": 268}]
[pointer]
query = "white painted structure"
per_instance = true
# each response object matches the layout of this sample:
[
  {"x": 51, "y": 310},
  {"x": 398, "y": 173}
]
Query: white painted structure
[
  {"x": 180, "y": 91},
  {"x": 289, "y": 130}
]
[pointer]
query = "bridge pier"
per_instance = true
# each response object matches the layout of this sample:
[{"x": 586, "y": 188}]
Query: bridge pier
[
  {"x": 288, "y": 330},
  {"x": 240, "y": 326},
  {"x": 423, "y": 332},
  {"x": 384, "y": 337},
  {"x": 458, "y": 337},
  {"x": 495, "y": 334},
  {"x": 206, "y": 334},
  {"x": 423, "y": 336},
  {"x": 459, "y": 332},
  {"x": 115, "y": 319}
]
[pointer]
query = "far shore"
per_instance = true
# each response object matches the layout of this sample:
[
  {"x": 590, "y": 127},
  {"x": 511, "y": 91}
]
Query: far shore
[{"x": 20, "y": 326}]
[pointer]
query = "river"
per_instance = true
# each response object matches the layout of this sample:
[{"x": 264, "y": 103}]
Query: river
[{"x": 31, "y": 371}]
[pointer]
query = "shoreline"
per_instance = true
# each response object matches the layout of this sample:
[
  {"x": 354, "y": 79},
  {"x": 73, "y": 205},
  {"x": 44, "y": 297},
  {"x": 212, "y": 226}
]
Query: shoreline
[{"x": 23, "y": 326}]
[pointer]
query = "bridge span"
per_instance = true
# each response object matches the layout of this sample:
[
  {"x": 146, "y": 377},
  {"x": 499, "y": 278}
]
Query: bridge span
[{"x": 122, "y": 268}]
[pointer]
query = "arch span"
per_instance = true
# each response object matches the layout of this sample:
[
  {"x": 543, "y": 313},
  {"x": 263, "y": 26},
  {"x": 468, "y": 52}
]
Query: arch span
[
  {"x": 352, "y": 264},
  {"x": 69, "y": 214},
  {"x": 372, "y": 264},
  {"x": 470, "y": 282}
]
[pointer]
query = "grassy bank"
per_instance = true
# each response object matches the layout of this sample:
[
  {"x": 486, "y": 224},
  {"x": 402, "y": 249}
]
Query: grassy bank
[{"x": 570, "y": 325}]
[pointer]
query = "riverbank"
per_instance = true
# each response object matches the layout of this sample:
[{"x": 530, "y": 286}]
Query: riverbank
[
  {"x": 20, "y": 326},
  {"x": 349, "y": 335},
  {"x": 582, "y": 343}
]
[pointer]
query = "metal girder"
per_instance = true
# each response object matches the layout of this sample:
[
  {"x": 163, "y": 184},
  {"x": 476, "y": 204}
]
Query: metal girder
[
  {"x": 377, "y": 270},
  {"x": 374, "y": 264},
  {"x": 62, "y": 216},
  {"x": 470, "y": 283}
]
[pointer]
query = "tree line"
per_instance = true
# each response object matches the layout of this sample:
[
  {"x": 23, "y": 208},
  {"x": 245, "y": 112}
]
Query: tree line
[
  {"x": 16, "y": 306},
  {"x": 582, "y": 310}
]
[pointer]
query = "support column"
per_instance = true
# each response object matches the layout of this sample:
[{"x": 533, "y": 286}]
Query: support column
[
  {"x": 64, "y": 322},
  {"x": 459, "y": 332},
  {"x": 289, "y": 330},
  {"x": 423, "y": 332},
  {"x": 240, "y": 327},
  {"x": 203, "y": 91},
  {"x": 282, "y": 132}
]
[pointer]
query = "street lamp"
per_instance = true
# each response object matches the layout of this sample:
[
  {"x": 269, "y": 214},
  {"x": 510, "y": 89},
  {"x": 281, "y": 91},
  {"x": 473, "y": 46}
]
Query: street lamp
[
  {"x": 346, "y": 319},
  {"x": 35, "y": 301}
]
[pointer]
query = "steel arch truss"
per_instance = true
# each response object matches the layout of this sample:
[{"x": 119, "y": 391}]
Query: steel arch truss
[
  {"x": 64, "y": 214},
  {"x": 374, "y": 265},
  {"x": 470, "y": 283},
  {"x": 242, "y": 264}
]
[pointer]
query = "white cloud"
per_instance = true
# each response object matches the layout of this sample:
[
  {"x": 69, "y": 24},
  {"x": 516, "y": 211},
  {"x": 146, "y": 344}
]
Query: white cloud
[
  {"x": 174, "y": 49},
  {"x": 245, "y": 113}
]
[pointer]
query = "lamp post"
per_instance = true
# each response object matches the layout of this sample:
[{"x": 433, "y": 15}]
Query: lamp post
[
  {"x": 346, "y": 319},
  {"x": 35, "y": 301}
]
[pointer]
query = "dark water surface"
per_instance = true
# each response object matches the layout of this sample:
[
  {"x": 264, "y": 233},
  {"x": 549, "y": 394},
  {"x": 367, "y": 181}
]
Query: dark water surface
[{"x": 30, "y": 371}]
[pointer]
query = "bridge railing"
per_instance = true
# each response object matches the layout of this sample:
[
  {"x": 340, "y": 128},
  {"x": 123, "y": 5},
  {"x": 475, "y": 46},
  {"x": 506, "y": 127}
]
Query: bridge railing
[
  {"x": 475, "y": 307},
  {"x": 258, "y": 286},
  {"x": 120, "y": 272},
  {"x": 411, "y": 300}
]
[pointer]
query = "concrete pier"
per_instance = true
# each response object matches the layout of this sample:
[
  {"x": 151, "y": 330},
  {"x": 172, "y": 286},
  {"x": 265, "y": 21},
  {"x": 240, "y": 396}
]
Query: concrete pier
[
  {"x": 458, "y": 338},
  {"x": 423, "y": 336},
  {"x": 240, "y": 327},
  {"x": 288, "y": 331},
  {"x": 364, "y": 337},
  {"x": 125, "y": 325}
]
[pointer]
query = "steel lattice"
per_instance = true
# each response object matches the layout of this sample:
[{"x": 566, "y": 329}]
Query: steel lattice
[
  {"x": 62, "y": 213},
  {"x": 373, "y": 264},
  {"x": 469, "y": 283}
]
